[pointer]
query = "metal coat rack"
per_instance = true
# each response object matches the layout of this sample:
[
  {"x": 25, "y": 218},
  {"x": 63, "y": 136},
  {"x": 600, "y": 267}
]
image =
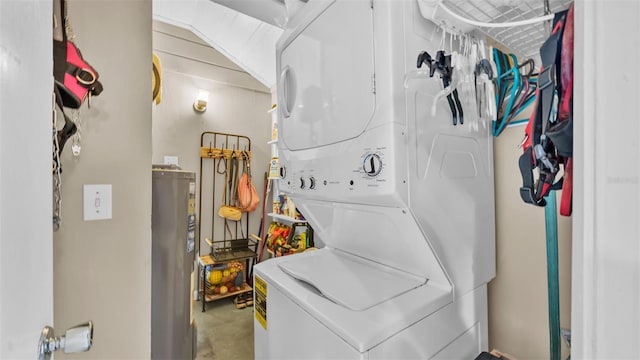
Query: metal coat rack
[{"x": 229, "y": 240}]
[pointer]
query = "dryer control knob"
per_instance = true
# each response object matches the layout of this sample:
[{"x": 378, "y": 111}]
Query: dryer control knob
[
  {"x": 372, "y": 165},
  {"x": 302, "y": 184},
  {"x": 312, "y": 183}
]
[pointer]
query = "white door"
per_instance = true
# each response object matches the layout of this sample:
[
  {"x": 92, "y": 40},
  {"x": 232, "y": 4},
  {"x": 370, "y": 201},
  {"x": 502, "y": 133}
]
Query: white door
[{"x": 26, "y": 260}]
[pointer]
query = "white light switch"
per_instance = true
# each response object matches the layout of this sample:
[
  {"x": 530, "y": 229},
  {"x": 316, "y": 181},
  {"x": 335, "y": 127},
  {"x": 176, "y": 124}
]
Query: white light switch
[{"x": 97, "y": 202}]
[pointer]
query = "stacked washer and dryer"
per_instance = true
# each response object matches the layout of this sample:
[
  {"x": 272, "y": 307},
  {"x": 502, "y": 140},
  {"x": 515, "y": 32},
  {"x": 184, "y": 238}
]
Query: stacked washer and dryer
[{"x": 402, "y": 200}]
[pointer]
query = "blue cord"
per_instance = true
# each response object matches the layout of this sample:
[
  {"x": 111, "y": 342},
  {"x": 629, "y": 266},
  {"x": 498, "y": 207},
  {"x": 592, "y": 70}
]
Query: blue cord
[{"x": 496, "y": 128}]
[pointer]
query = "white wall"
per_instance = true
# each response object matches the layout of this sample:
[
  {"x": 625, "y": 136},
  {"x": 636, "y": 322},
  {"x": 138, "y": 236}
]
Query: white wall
[
  {"x": 606, "y": 252},
  {"x": 238, "y": 104},
  {"x": 102, "y": 268}
]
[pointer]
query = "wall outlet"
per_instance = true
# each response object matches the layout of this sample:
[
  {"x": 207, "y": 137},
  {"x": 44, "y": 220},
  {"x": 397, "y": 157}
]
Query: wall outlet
[{"x": 97, "y": 202}]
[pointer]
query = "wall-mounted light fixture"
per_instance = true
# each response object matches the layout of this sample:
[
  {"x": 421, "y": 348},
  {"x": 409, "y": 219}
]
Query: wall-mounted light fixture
[{"x": 200, "y": 105}]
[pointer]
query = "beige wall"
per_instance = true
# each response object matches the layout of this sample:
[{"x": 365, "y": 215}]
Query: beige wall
[
  {"x": 102, "y": 269},
  {"x": 518, "y": 313},
  {"x": 238, "y": 104}
]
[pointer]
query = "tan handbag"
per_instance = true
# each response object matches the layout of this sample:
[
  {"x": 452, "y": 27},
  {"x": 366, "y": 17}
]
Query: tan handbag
[
  {"x": 230, "y": 212},
  {"x": 227, "y": 211}
]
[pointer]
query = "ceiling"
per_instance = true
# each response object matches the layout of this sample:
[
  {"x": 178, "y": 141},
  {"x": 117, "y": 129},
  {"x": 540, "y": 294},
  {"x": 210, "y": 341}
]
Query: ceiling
[
  {"x": 246, "y": 31},
  {"x": 245, "y": 40}
]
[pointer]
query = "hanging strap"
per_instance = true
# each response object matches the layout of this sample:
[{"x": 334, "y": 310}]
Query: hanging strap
[
  {"x": 226, "y": 180},
  {"x": 69, "y": 128},
  {"x": 233, "y": 185},
  {"x": 539, "y": 151},
  {"x": 551, "y": 225},
  {"x": 230, "y": 180},
  {"x": 566, "y": 201},
  {"x": 564, "y": 140},
  {"x": 227, "y": 157},
  {"x": 246, "y": 157}
]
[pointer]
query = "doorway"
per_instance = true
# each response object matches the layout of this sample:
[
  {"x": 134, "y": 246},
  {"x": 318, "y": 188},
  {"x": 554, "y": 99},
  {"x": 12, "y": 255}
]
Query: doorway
[{"x": 237, "y": 104}]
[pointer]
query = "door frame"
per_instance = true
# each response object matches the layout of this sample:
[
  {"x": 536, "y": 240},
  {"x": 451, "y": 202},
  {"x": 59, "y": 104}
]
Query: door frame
[{"x": 26, "y": 248}]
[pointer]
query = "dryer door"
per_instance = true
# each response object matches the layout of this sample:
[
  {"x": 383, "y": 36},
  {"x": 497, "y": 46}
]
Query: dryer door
[{"x": 325, "y": 86}]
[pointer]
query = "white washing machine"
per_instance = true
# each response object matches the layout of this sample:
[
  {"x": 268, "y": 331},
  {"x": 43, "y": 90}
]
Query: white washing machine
[{"x": 402, "y": 200}]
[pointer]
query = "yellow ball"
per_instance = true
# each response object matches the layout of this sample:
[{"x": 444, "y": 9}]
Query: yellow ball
[{"x": 215, "y": 277}]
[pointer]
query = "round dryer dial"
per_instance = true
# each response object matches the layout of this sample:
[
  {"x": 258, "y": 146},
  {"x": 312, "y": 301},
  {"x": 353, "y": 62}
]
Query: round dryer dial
[{"x": 372, "y": 165}]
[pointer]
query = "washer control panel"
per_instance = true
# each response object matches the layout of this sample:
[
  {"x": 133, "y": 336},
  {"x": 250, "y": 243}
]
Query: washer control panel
[{"x": 367, "y": 170}]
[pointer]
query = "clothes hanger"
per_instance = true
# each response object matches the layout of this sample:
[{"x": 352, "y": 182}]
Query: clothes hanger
[
  {"x": 516, "y": 90},
  {"x": 443, "y": 65}
]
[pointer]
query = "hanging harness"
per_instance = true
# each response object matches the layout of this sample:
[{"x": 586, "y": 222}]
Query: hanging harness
[
  {"x": 549, "y": 137},
  {"x": 75, "y": 79}
]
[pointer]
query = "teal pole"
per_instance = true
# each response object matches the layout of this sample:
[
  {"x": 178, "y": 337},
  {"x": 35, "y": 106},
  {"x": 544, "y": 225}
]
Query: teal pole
[{"x": 551, "y": 224}]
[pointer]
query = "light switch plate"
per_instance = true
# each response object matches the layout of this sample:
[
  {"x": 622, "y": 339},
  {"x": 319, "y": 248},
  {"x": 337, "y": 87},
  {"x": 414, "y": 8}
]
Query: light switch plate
[
  {"x": 97, "y": 202},
  {"x": 171, "y": 160}
]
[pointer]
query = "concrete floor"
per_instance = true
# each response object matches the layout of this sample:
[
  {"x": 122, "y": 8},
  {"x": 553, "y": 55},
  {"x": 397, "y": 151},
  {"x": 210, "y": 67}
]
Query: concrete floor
[{"x": 224, "y": 332}]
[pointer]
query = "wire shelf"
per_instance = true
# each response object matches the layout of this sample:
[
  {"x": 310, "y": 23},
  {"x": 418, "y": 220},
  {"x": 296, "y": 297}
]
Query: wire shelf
[
  {"x": 232, "y": 249},
  {"x": 524, "y": 41}
]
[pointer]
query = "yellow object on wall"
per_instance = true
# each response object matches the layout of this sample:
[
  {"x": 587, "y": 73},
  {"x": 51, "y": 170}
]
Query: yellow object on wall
[{"x": 156, "y": 80}]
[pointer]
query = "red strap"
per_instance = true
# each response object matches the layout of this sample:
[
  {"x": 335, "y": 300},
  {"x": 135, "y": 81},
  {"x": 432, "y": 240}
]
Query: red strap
[
  {"x": 528, "y": 141},
  {"x": 564, "y": 109},
  {"x": 566, "y": 72},
  {"x": 567, "y": 189}
]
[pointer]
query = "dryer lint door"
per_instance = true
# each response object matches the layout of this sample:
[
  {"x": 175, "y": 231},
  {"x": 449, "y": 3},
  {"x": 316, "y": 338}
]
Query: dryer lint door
[{"x": 325, "y": 87}]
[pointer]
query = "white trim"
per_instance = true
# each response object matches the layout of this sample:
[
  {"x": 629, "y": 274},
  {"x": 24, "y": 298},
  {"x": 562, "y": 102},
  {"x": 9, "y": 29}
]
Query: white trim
[
  {"x": 26, "y": 247},
  {"x": 583, "y": 264},
  {"x": 606, "y": 266}
]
